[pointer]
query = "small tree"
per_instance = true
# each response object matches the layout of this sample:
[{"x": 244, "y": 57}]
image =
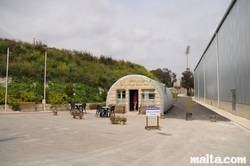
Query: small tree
[
  {"x": 189, "y": 105},
  {"x": 187, "y": 81},
  {"x": 165, "y": 75}
]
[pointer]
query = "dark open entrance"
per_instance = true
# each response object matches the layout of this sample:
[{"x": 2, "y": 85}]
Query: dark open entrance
[{"x": 131, "y": 99}]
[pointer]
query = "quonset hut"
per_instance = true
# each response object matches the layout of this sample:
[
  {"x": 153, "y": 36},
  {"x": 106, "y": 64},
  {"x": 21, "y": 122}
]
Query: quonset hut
[{"x": 149, "y": 92}]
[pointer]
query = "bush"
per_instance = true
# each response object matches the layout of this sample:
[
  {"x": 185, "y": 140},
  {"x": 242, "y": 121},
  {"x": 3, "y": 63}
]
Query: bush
[
  {"x": 57, "y": 98},
  {"x": 190, "y": 93},
  {"x": 2, "y": 95},
  {"x": 115, "y": 119},
  {"x": 189, "y": 104},
  {"x": 14, "y": 103},
  {"x": 15, "y": 107},
  {"x": 174, "y": 95}
]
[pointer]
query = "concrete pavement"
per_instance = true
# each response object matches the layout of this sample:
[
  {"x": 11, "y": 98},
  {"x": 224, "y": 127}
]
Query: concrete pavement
[
  {"x": 237, "y": 119},
  {"x": 43, "y": 139}
]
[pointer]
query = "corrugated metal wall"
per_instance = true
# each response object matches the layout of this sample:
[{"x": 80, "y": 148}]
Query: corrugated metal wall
[
  {"x": 199, "y": 80},
  {"x": 210, "y": 71},
  {"x": 234, "y": 58}
]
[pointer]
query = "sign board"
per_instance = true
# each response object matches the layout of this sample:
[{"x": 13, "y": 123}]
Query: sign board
[{"x": 153, "y": 111}]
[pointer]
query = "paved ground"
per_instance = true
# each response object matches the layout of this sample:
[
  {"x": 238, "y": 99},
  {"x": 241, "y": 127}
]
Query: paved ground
[
  {"x": 200, "y": 112},
  {"x": 44, "y": 139}
]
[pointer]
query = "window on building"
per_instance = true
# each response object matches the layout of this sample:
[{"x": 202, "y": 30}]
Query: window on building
[
  {"x": 121, "y": 96},
  {"x": 148, "y": 97}
]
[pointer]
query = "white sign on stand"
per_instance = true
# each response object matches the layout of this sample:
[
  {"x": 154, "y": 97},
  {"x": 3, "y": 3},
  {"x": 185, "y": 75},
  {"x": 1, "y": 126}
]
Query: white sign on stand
[{"x": 152, "y": 111}]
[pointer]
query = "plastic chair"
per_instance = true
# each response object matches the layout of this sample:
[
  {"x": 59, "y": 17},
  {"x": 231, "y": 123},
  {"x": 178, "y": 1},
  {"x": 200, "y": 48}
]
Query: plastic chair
[
  {"x": 112, "y": 110},
  {"x": 99, "y": 110},
  {"x": 72, "y": 106},
  {"x": 84, "y": 107}
]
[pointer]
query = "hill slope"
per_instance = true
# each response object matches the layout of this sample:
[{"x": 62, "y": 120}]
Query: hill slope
[{"x": 68, "y": 72}]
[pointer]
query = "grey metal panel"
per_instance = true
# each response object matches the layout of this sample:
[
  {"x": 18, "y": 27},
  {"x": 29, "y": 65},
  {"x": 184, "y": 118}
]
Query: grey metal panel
[
  {"x": 234, "y": 56},
  {"x": 202, "y": 78},
  {"x": 199, "y": 84},
  {"x": 234, "y": 53},
  {"x": 196, "y": 83},
  {"x": 218, "y": 27},
  {"x": 211, "y": 71}
]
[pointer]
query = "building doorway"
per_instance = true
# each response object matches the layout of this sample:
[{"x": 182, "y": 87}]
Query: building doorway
[{"x": 132, "y": 93}]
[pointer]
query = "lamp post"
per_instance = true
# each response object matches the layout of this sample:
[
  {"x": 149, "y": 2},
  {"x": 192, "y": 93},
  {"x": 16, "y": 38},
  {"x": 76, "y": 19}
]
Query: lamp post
[
  {"x": 44, "y": 100},
  {"x": 6, "y": 82},
  {"x": 187, "y": 52}
]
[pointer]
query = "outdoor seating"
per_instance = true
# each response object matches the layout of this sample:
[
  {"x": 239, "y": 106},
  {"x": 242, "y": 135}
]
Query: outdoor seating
[
  {"x": 112, "y": 110},
  {"x": 78, "y": 107},
  {"x": 84, "y": 107},
  {"x": 72, "y": 106},
  {"x": 99, "y": 110},
  {"x": 105, "y": 112}
]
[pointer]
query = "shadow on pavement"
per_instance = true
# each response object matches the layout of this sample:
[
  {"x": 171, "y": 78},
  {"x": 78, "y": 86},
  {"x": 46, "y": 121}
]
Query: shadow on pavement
[{"x": 200, "y": 112}]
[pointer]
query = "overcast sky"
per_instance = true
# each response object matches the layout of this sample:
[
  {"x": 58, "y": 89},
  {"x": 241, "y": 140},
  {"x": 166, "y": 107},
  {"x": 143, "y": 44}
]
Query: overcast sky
[{"x": 152, "y": 33}]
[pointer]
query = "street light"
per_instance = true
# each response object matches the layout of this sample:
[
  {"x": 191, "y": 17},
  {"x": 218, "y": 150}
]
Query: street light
[
  {"x": 6, "y": 82},
  {"x": 187, "y": 52},
  {"x": 44, "y": 95}
]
